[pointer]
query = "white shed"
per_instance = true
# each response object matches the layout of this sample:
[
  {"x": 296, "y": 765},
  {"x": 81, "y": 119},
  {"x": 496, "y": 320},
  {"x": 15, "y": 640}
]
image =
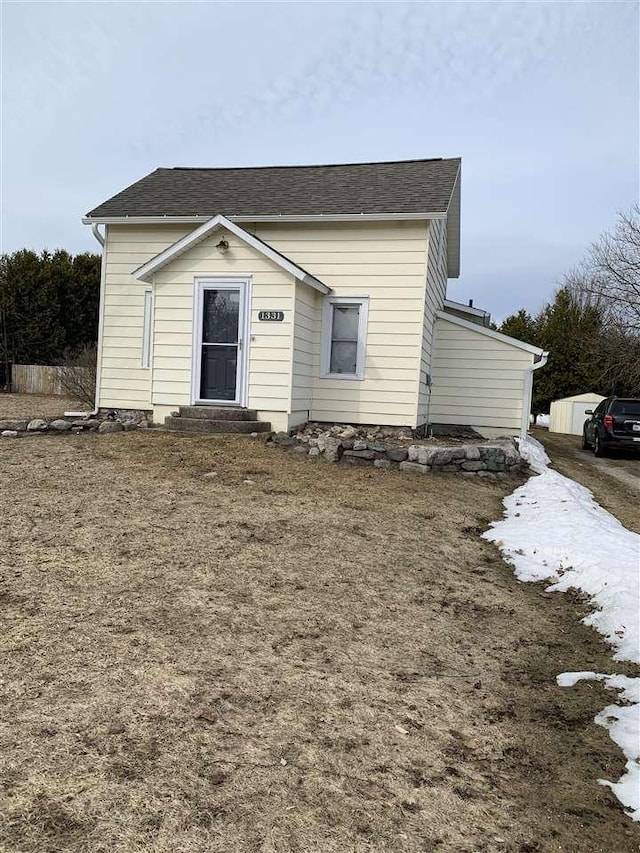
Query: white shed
[{"x": 569, "y": 414}]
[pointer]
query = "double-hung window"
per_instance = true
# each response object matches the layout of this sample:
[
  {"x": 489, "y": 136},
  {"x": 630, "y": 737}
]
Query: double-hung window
[{"x": 344, "y": 332}]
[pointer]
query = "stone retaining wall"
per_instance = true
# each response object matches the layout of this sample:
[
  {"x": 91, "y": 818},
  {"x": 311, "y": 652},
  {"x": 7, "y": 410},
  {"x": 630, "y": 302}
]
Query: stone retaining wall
[
  {"x": 484, "y": 459},
  {"x": 16, "y": 427}
]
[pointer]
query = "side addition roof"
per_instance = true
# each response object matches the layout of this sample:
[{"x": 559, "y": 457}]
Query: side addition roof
[{"x": 490, "y": 333}]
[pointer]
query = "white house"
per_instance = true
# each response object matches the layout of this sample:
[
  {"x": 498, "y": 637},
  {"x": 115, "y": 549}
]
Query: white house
[{"x": 299, "y": 293}]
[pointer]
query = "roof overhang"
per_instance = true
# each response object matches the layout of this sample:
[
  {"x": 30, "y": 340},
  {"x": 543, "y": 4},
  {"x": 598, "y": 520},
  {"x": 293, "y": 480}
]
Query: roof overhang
[
  {"x": 323, "y": 217},
  {"x": 453, "y": 230},
  {"x": 151, "y": 267},
  {"x": 490, "y": 333}
]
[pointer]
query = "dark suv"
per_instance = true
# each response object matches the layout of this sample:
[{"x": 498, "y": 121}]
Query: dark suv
[{"x": 614, "y": 424}]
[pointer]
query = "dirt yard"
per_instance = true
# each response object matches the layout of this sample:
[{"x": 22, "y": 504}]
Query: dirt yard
[
  {"x": 37, "y": 406},
  {"x": 210, "y": 645}
]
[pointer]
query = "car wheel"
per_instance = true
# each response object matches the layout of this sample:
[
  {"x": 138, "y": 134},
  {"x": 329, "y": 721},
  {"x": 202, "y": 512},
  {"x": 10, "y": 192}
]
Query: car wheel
[
  {"x": 598, "y": 449},
  {"x": 585, "y": 443}
]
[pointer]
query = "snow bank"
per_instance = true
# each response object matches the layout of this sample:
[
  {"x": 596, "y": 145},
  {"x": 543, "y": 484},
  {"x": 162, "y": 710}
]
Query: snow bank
[
  {"x": 554, "y": 530},
  {"x": 542, "y": 421}
]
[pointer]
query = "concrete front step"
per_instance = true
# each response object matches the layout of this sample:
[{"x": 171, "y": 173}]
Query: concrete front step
[
  {"x": 218, "y": 413},
  {"x": 206, "y": 425}
]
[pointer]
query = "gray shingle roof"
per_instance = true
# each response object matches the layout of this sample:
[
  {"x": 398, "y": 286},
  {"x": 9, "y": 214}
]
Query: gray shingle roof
[{"x": 406, "y": 186}]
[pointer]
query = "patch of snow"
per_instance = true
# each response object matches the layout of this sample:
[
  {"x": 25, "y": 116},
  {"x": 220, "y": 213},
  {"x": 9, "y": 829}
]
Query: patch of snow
[
  {"x": 554, "y": 530},
  {"x": 542, "y": 421}
]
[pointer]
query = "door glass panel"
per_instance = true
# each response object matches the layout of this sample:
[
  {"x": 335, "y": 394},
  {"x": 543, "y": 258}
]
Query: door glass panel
[{"x": 220, "y": 314}]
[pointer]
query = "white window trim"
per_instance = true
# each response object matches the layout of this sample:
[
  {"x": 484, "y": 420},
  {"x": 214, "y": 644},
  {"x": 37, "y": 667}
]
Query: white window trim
[
  {"x": 327, "y": 323},
  {"x": 147, "y": 326}
]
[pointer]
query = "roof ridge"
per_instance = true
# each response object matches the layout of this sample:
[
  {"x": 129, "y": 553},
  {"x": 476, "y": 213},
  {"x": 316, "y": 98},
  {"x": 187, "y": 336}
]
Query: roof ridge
[{"x": 305, "y": 165}]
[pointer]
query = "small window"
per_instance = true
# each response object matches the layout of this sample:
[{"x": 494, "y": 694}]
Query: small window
[
  {"x": 344, "y": 337},
  {"x": 146, "y": 329}
]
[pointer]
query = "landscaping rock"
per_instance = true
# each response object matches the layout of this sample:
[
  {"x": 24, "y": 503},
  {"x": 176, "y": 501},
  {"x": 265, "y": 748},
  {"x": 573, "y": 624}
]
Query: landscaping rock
[
  {"x": 86, "y": 424},
  {"x": 442, "y": 456},
  {"x": 382, "y": 463},
  {"x": 359, "y": 445},
  {"x": 9, "y": 433},
  {"x": 60, "y": 425},
  {"x": 332, "y": 449},
  {"x": 348, "y": 432},
  {"x": 283, "y": 439},
  {"x": 129, "y": 426},
  {"x": 314, "y": 451},
  {"x": 397, "y": 454},
  {"x": 472, "y": 465},
  {"x": 377, "y": 448},
  {"x": 13, "y": 424},
  {"x": 109, "y": 426},
  {"x": 493, "y": 457},
  {"x": 37, "y": 425},
  {"x": 414, "y": 468},
  {"x": 300, "y": 448},
  {"x": 471, "y": 452},
  {"x": 360, "y": 454}
]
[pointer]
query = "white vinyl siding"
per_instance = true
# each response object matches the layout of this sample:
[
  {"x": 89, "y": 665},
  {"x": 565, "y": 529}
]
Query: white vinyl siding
[
  {"x": 385, "y": 261},
  {"x": 434, "y": 296},
  {"x": 270, "y": 344},
  {"x": 124, "y": 382},
  {"x": 307, "y": 306},
  {"x": 478, "y": 381},
  {"x": 147, "y": 328}
]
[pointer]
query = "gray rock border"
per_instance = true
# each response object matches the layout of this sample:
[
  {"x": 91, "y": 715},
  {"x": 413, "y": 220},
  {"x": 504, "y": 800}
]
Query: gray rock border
[
  {"x": 497, "y": 457},
  {"x": 106, "y": 422}
]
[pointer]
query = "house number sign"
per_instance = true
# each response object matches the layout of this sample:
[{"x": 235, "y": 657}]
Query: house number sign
[{"x": 271, "y": 315}]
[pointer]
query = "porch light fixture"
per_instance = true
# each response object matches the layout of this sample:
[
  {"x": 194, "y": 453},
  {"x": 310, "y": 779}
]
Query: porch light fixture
[{"x": 222, "y": 246}]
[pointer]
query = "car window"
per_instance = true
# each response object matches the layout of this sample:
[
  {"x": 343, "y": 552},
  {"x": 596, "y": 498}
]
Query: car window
[
  {"x": 600, "y": 408},
  {"x": 626, "y": 407}
]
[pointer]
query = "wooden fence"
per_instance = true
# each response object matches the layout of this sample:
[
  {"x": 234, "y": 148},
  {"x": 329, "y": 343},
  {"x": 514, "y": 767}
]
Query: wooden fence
[{"x": 37, "y": 379}]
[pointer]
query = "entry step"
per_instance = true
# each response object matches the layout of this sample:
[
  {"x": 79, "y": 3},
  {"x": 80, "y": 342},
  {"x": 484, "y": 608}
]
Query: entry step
[{"x": 218, "y": 413}]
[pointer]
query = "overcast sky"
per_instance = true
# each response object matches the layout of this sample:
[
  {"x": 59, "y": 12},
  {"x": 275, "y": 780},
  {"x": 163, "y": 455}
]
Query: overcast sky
[{"x": 540, "y": 100}]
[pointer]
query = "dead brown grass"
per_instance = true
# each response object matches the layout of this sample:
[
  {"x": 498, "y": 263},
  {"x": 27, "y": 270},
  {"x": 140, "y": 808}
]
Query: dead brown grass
[
  {"x": 325, "y": 659},
  {"x": 37, "y": 406}
]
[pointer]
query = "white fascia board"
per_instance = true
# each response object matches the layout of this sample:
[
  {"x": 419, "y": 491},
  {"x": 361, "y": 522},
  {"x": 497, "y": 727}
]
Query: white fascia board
[
  {"x": 328, "y": 217},
  {"x": 490, "y": 333},
  {"x": 147, "y": 271}
]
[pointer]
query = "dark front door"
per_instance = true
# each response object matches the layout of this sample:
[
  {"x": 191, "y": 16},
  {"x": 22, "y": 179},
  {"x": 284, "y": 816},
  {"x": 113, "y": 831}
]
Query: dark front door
[{"x": 219, "y": 355}]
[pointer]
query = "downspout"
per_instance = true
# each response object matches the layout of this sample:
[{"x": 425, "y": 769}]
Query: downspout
[
  {"x": 101, "y": 238},
  {"x": 528, "y": 392}
]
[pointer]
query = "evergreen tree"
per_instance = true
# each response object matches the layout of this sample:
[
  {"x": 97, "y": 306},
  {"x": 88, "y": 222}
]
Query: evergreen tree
[
  {"x": 48, "y": 305},
  {"x": 521, "y": 326}
]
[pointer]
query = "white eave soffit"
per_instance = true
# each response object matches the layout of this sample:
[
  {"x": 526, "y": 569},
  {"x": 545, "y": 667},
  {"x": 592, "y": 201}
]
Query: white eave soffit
[{"x": 147, "y": 270}]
